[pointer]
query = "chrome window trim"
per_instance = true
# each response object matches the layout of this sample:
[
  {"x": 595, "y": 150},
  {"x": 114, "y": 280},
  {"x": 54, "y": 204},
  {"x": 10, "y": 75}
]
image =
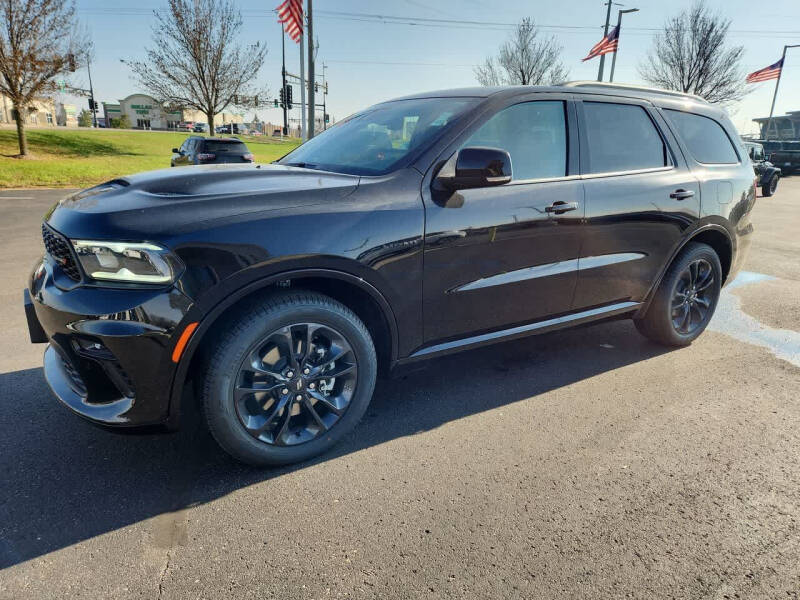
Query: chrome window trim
[{"x": 631, "y": 172}]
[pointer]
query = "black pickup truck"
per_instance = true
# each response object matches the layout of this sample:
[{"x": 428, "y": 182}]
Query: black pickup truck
[{"x": 783, "y": 153}]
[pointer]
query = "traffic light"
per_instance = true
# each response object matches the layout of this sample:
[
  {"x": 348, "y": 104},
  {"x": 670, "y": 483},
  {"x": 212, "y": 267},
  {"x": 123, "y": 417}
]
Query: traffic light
[
  {"x": 275, "y": 103},
  {"x": 71, "y": 62},
  {"x": 235, "y": 99},
  {"x": 327, "y": 118},
  {"x": 283, "y": 97},
  {"x": 255, "y": 100},
  {"x": 288, "y": 96},
  {"x": 91, "y": 104}
]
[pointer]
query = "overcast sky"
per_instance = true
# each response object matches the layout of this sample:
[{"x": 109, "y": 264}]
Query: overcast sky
[{"x": 369, "y": 61}]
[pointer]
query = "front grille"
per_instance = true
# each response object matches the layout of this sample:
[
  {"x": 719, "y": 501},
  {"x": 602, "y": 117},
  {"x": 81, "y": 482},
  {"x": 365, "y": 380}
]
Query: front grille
[
  {"x": 76, "y": 381},
  {"x": 58, "y": 248}
]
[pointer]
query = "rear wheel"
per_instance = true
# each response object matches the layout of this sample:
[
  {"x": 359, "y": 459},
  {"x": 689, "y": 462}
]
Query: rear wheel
[
  {"x": 768, "y": 189},
  {"x": 289, "y": 379},
  {"x": 686, "y": 298}
]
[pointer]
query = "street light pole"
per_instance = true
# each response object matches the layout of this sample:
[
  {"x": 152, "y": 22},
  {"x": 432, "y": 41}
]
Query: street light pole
[
  {"x": 619, "y": 35},
  {"x": 283, "y": 83},
  {"x": 310, "y": 69},
  {"x": 605, "y": 33}
]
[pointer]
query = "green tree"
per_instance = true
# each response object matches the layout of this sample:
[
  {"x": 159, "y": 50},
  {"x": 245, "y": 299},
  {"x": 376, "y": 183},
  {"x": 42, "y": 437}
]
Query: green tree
[{"x": 85, "y": 118}]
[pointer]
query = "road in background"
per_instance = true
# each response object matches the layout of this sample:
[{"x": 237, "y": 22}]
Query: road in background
[{"x": 580, "y": 464}]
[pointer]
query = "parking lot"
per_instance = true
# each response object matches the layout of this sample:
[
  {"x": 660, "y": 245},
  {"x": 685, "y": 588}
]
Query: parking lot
[{"x": 581, "y": 464}]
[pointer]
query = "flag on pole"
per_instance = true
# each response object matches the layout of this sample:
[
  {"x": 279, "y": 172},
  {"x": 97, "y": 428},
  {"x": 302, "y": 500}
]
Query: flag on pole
[
  {"x": 608, "y": 44},
  {"x": 290, "y": 13},
  {"x": 771, "y": 72}
]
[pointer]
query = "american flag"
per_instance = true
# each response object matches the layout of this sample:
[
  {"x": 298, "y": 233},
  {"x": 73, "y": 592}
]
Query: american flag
[
  {"x": 606, "y": 45},
  {"x": 290, "y": 13},
  {"x": 771, "y": 72}
]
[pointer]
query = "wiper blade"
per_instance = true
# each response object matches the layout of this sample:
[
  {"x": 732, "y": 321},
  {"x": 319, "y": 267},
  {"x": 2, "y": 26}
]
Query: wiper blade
[{"x": 302, "y": 165}]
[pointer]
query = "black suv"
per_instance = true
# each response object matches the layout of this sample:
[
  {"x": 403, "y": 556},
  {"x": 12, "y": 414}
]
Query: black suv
[
  {"x": 208, "y": 150},
  {"x": 418, "y": 227}
]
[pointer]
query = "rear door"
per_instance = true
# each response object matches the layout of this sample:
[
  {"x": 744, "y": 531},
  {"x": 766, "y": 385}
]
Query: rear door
[{"x": 640, "y": 199}]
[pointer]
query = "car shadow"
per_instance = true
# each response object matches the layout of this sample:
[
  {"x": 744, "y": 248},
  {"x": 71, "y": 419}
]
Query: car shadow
[{"x": 64, "y": 481}]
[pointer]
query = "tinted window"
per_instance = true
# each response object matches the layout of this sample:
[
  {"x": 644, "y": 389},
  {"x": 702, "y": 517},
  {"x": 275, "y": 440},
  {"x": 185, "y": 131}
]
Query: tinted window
[
  {"x": 705, "y": 138},
  {"x": 221, "y": 147},
  {"x": 622, "y": 137},
  {"x": 378, "y": 140},
  {"x": 533, "y": 133}
]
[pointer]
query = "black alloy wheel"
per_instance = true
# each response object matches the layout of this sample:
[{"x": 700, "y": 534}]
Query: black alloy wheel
[
  {"x": 686, "y": 297},
  {"x": 295, "y": 384},
  {"x": 693, "y": 298},
  {"x": 289, "y": 375}
]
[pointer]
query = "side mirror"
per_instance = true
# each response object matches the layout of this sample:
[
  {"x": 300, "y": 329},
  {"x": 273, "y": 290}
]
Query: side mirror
[
  {"x": 176, "y": 151},
  {"x": 477, "y": 168}
]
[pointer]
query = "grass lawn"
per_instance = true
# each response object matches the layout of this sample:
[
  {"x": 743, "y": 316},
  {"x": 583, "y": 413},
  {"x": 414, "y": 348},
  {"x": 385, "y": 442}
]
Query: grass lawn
[{"x": 83, "y": 157}]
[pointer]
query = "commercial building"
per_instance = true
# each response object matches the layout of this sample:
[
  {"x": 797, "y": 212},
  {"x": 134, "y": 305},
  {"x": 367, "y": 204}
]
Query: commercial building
[
  {"x": 67, "y": 115},
  {"x": 41, "y": 113},
  {"x": 145, "y": 112},
  {"x": 784, "y": 127}
]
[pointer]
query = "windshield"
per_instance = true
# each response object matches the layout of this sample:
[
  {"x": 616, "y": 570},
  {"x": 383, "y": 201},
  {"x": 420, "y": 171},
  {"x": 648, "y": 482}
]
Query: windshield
[
  {"x": 375, "y": 141},
  {"x": 221, "y": 146}
]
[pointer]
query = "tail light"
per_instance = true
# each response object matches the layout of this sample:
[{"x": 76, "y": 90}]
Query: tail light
[
  {"x": 206, "y": 156},
  {"x": 248, "y": 157}
]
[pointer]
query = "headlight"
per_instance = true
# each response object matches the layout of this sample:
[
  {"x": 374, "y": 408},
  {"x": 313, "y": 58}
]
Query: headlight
[{"x": 126, "y": 261}]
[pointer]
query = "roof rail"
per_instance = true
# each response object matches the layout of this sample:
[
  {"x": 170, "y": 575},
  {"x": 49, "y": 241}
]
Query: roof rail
[{"x": 634, "y": 88}]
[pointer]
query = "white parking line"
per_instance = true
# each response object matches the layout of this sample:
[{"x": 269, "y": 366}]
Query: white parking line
[{"x": 16, "y": 197}]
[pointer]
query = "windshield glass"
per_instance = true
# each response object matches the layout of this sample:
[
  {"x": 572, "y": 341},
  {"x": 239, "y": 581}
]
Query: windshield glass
[
  {"x": 222, "y": 146},
  {"x": 375, "y": 141}
]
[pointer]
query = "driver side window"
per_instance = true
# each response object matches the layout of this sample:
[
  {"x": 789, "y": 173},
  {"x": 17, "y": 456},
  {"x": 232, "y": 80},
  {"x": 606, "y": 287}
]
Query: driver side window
[{"x": 533, "y": 133}]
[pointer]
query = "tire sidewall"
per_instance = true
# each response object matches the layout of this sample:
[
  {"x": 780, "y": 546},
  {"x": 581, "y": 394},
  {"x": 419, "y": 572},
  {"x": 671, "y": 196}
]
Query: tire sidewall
[
  {"x": 221, "y": 378},
  {"x": 659, "y": 315}
]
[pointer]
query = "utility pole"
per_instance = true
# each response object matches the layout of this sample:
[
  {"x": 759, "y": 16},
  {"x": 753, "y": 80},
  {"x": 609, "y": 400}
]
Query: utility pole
[
  {"x": 324, "y": 99},
  {"x": 619, "y": 35},
  {"x": 283, "y": 81},
  {"x": 605, "y": 33},
  {"x": 775, "y": 95},
  {"x": 311, "y": 69},
  {"x": 91, "y": 92}
]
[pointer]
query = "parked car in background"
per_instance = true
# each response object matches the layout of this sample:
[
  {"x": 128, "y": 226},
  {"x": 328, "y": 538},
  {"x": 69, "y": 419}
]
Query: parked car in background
[
  {"x": 784, "y": 154},
  {"x": 201, "y": 127},
  {"x": 767, "y": 173},
  {"x": 230, "y": 129},
  {"x": 419, "y": 227},
  {"x": 204, "y": 150},
  {"x": 187, "y": 126}
]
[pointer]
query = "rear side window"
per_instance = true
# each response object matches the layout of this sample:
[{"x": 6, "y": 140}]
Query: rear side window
[
  {"x": 705, "y": 138},
  {"x": 622, "y": 137},
  {"x": 533, "y": 133},
  {"x": 223, "y": 147}
]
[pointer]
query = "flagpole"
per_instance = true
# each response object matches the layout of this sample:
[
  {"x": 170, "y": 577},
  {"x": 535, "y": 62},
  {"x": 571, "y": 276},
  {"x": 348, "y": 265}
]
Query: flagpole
[
  {"x": 619, "y": 37},
  {"x": 775, "y": 94},
  {"x": 285, "y": 129},
  {"x": 302, "y": 86}
]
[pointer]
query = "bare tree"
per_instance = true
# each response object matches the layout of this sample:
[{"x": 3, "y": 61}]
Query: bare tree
[
  {"x": 38, "y": 41},
  {"x": 526, "y": 58},
  {"x": 194, "y": 61},
  {"x": 691, "y": 55}
]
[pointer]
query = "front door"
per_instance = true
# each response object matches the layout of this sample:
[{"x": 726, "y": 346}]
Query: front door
[
  {"x": 502, "y": 256},
  {"x": 640, "y": 199}
]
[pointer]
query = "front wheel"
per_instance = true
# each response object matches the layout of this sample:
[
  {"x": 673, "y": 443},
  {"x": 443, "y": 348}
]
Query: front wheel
[
  {"x": 292, "y": 375},
  {"x": 686, "y": 299},
  {"x": 768, "y": 189}
]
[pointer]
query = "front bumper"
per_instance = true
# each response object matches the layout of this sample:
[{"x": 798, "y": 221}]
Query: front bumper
[{"x": 108, "y": 357}]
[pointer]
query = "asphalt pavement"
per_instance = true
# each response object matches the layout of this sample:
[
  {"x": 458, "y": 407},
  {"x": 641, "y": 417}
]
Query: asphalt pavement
[{"x": 580, "y": 464}]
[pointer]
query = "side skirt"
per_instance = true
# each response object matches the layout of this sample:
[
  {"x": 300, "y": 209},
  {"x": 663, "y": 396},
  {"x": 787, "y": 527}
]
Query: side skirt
[{"x": 503, "y": 335}]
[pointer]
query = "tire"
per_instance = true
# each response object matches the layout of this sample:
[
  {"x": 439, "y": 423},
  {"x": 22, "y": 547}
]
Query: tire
[
  {"x": 239, "y": 362},
  {"x": 768, "y": 189},
  {"x": 664, "y": 321}
]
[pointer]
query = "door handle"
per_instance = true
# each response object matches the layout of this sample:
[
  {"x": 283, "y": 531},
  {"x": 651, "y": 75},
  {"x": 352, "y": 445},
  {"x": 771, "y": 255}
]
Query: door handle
[
  {"x": 561, "y": 207},
  {"x": 681, "y": 194}
]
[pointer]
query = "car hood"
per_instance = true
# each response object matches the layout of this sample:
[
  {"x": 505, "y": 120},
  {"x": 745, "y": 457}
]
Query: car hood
[{"x": 169, "y": 201}]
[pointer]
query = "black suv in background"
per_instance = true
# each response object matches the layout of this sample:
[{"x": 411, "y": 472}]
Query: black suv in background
[
  {"x": 418, "y": 227},
  {"x": 209, "y": 150}
]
